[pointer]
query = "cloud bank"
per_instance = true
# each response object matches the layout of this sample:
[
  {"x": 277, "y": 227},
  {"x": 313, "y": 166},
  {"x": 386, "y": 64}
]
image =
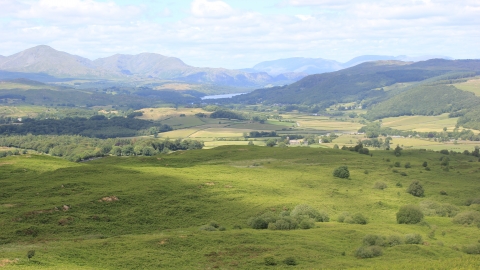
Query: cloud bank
[{"x": 225, "y": 34}]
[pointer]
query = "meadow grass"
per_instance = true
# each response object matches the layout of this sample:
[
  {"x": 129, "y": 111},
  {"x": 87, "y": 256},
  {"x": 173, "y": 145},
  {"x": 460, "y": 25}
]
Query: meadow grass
[
  {"x": 161, "y": 202},
  {"x": 421, "y": 123},
  {"x": 470, "y": 86}
]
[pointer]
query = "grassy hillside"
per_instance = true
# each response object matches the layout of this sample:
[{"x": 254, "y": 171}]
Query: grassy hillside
[
  {"x": 145, "y": 212},
  {"x": 358, "y": 83},
  {"x": 424, "y": 100}
]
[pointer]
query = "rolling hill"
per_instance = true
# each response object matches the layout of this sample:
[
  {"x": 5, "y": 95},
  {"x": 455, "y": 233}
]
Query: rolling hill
[{"x": 359, "y": 83}]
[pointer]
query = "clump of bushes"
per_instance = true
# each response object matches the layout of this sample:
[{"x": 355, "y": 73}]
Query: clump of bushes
[
  {"x": 373, "y": 240},
  {"x": 212, "y": 226},
  {"x": 408, "y": 165},
  {"x": 409, "y": 214},
  {"x": 365, "y": 252},
  {"x": 431, "y": 208},
  {"x": 416, "y": 189},
  {"x": 356, "y": 218},
  {"x": 380, "y": 185},
  {"x": 394, "y": 240},
  {"x": 302, "y": 216},
  {"x": 341, "y": 172},
  {"x": 472, "y": 249},
  {"x": 467, "y": 218},
  {"x": 472, "y": 201},
  {"x": 413, "y": 239}
]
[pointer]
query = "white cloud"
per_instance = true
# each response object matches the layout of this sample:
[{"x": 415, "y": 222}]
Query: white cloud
[
  {"x": 215, "y": 34},
  {"x": 210, "y": 9}
]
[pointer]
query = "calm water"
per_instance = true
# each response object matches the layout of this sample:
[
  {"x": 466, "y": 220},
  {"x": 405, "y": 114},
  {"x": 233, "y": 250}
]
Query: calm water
[{"x": 222, "y": 96}]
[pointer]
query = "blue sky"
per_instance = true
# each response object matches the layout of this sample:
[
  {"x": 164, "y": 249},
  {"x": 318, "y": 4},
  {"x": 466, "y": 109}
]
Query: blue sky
[{"x": 239, "y": 34}]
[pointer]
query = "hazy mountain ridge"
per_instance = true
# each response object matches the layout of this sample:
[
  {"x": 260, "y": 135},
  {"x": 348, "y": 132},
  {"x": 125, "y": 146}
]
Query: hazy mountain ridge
[
  {"x": 46, "y": 60},
  {"x": 311, "y": 66}
]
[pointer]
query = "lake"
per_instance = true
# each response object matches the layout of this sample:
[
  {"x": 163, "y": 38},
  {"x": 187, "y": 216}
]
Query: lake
[{"x": 222, "y": 96}]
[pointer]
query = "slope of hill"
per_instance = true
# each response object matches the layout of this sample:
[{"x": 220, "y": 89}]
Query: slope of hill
[
  {"x": 357, "y": 83},
  {"x": 148, "y": 212}
]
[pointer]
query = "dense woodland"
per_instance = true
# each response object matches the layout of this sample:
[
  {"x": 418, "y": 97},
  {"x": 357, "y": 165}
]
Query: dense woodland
[
  {"x": 97, "y": 126},
  {"x": 77, "y": 148}
]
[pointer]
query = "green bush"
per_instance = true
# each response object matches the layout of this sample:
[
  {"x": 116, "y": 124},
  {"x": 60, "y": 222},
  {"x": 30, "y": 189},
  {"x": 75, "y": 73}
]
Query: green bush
[
  {"x": 416, "y": 189},
  {"x": 409, "y": 214},
  {"x": 472, "y": 201},
  {"x": 284, "y": 223},
  {"x": 373, "y": 240},
  {"x": 472, "y": 249},
  {"x": 394, "y": 240},
  {"x": 368, "y": 252},
  {"x": 357, "y": 218},
  {"x": 396, "y": 164},
  {"x": 467, "y": 218},
  {"x": 290, "y": 261},
  {"x": 207, "y": 228},
  {"x": 341, "y": 172},
  {"x": 341, "y": 218},
  {"x": 307, "y": 223},
  {"x": 431, "y": 208},
  {"x": 303, "y": 211},
  {"x": 261, "y": 222},
  {"x": 425, "y": 164},
  {"x": 413, "y": 239},
  {"x": 380, "y": 185},
  {"x": 269, "y": 261},
  {"x": 408, "y": 165}
]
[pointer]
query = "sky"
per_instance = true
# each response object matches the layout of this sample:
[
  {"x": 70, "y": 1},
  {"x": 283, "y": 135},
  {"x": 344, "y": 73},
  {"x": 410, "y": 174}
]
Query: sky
[{"x": 242, "y": 33}]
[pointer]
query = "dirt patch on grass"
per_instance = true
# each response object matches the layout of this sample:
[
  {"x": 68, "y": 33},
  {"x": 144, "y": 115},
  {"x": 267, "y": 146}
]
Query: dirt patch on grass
[
  {"x": 210, "y": 184},
  {"x": 9, "y": 205},
  {"x": 109, "y": 199},
  {"x": 6, "y": 163},
  {"x": 5, "y": 262}
]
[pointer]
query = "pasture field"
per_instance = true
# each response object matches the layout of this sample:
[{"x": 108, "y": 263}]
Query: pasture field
[
  {"x": 421, "y": 123},
  {"x": 21, "y": 86},
  {"x": 146, "y": 212},
  {"x": 22, "y": 111},
  {"x": 163, "y": 113},
  {"x": 470, "y": 86}
]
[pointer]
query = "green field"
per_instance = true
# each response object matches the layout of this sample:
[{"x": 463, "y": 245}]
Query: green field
[
  {"x": 470, "y": 86},
  {"x": 145, "y": 212},
  {"x": 420, "y": 123}
]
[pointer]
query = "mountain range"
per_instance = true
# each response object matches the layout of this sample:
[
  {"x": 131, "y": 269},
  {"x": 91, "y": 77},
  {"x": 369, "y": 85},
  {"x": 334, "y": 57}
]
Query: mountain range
[
  {"x": 309, "y": 66},
  {"x": 43, "y": 60}
]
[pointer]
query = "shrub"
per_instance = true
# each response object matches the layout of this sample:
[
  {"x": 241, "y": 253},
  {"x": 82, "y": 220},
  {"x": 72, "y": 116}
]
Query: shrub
[
  {"x": 472, "y": 249},
  {"x": 269, "y": 261},
  {"x": 396, "y": 164},
  {"x": 307, "y": 223},
  {"x": 403, "y": 174},
  {"x": 443, "y": 192},
  {"x": 416, "y": 189},
  {"x": 409, "y": 214},
  {"x": 30, "y": 254},
  {"x": 341, "y": 172},
  {"x": 427, "y": 168},
  {"x": 380, "y": 185},
  {"x": 394, "y": 240},
  {"x": 221, "y": 228},
  {"x": 444, "y": 151},
  {"x": 472, "y": 201},
  {"x": 431, "y": 208},
  {"x": 413, "y": 239},
  {"x": 368, "y": 252},
  {"x": 261, "y": 222},
  {"x": 214, "y": 224},
  {"x": 302, "y": 211},
  {"x": 207, "y": 228},
  {"x": 365, "y": 172},
  {"x": 398, "y": 184},
  {"x": 357, "y": 218},
  {"x": 407, "y": 165},
  {"x": 290, "y": 261},
  {"x": 425, "y": 164},
  {"x": 467, "y": 218},
  {"x": 284, "y": 223},
  {"x": 373, "y": 240},
  {"x": 341, "y": 218}
]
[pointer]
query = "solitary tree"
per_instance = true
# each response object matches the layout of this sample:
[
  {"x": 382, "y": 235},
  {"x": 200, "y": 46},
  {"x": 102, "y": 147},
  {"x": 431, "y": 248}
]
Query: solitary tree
[
  {"x": 341, "y": 172},
  {"x": 409, "y": 214},
  {"x": 416, "y": 189}
]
